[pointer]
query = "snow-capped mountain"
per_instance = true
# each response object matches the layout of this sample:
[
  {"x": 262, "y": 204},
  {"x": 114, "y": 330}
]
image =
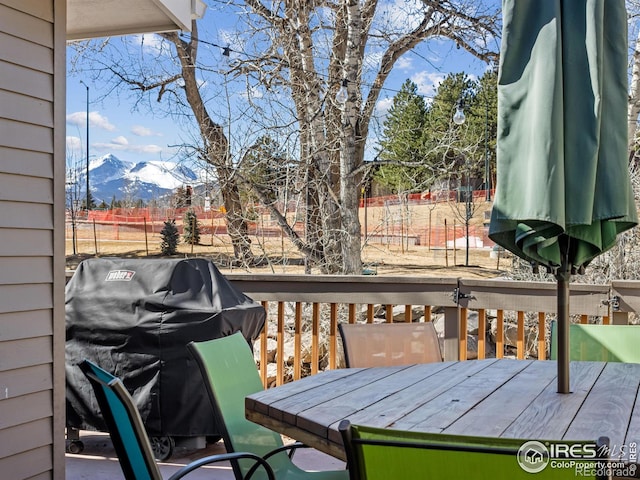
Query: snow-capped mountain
[{"x": 111, "y": 177}]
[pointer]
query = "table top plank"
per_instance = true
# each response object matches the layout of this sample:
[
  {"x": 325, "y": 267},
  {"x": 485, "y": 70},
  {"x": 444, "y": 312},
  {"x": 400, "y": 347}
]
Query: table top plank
[
  {"x": 549, "y": 415},
  {"x": 317, "y": 390},
  {"x": 396, "y": 406},
  {"x": 514, "y": 396},
  {"x": 608, "y": 407},
  {"x": 287, "y": 390},
  {"x": 321, "y": 409},
  {"x": 436, "y": 415},
  {"x": 318, "y": 418}
]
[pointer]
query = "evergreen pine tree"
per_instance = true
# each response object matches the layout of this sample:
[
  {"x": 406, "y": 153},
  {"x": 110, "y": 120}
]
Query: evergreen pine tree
[
  {"x": 403, "y": 143},
  {"x": 92, "y": 202},
  {"x": 115, "y": 203},
  {"x": 191, "y": 228},
  {"x": 170, "y": 238},
  {"x": 464, "y": 143},
  {"x": 447, "y": 144}
]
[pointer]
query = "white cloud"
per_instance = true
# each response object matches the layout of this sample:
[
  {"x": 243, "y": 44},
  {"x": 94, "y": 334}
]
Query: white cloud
[
  {"x": 122, "y": 144},
  {"x": 231, "y": 39},
  {"x": 95, "y": 120},
  {"x": 120, "y": 140},
  {"x": 404, "y": 63},
  {"x": 99, "y": 121},
  {"x": 140, "y": 131},
  {"x": 428, "y": 82},
  {"x": 77, "y": 118},
  {"x": 383, "y": 106},
  {"x": 74, "y": 143},
  {"x": 254, "y": 92},
  {"x": 152, "y": 43},
  {"x": 405, "y": 14},
  {"x": 373, "y": 59},
  {"x": 227, "y": 36},
  {"x": 147, "y": 148}
]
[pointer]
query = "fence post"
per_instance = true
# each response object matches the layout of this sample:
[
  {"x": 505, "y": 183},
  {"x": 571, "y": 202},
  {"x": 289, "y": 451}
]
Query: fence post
[
  {"x": 146, "y": 240},
  {"x": 193, "y": 231},
  {"x": 446, "y": 244},
  {"x": 95, "y": 238}
]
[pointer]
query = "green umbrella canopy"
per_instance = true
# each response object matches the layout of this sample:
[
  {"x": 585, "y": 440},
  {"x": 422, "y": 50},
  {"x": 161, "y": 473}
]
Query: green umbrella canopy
[{"x": 563, "y": 189}]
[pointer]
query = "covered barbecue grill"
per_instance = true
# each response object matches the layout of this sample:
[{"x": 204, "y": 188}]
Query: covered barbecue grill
[{"x": 134, "y": 318}]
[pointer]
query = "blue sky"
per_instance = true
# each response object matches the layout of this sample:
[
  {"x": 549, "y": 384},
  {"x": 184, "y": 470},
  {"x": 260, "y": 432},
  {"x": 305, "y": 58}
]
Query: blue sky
[
  {"x": 114, "y": 127},
  {"x": 137, "y": 136}
]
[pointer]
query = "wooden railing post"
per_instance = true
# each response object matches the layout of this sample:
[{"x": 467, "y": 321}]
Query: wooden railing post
[
  {"x": 451, "y": 333},
  {"x": 619, "y": 318},
  {"x": 624, "y": 298}
]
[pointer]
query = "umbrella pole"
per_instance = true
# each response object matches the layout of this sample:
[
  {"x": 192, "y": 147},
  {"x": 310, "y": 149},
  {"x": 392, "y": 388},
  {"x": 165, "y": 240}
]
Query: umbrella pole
[{"x": 562, "y": 337}]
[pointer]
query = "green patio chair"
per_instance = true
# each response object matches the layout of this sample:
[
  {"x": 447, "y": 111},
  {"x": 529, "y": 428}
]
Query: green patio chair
[
  {"x": 129, "y": 437},
  {"x": 607, "y": 343},
  {"x": 231, "y": 374},
  {"x": 383, "y": 454}
]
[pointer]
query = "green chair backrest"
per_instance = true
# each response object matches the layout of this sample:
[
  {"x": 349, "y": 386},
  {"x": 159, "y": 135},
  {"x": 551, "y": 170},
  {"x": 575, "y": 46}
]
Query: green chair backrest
[
  {"x": 607, "y": 343},
  {"x": 383, "y": 454},
  {"x": 124, "y": 423},
  {"x": 229, "y": 366}
]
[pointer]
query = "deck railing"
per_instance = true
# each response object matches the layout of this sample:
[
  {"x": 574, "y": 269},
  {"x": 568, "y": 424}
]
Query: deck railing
[
  {"x": 525, "y": 308},
  {"x": 309, "y": 307}
]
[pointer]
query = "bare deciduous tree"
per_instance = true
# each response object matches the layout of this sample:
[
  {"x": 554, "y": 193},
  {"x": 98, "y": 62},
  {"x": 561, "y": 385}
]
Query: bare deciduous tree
[
  {"x": 216, "y": 145},
  {"x": 314, "y": 48},
  {"x": 309, "y": 49},
  {"x": 172, "y": 77}
]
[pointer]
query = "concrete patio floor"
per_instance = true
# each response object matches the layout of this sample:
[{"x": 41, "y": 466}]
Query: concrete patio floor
[{"x": 98, "y": 461}]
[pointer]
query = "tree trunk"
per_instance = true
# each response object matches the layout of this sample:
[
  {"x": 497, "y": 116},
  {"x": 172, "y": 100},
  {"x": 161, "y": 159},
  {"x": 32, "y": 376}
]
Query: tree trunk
[
  {"x": 216, "y": 150},
  {"x": 352, "y": 153},
  {"x": 634, "y": 99}
]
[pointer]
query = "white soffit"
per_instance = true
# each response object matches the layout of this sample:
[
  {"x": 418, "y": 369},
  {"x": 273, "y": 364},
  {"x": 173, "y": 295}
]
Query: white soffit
[{"x": 107, "y": 18}]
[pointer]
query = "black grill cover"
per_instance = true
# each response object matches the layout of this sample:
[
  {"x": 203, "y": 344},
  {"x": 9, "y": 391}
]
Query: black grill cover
[{"x": 134, "y": 318}]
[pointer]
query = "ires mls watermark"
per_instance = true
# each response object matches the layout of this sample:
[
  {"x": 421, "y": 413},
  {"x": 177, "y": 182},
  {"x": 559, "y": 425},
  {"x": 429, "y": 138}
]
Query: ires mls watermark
[{"x": 585, "y": 459}]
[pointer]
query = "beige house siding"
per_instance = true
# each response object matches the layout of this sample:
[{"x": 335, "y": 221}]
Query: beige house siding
[{"x": 32, "y": 173}]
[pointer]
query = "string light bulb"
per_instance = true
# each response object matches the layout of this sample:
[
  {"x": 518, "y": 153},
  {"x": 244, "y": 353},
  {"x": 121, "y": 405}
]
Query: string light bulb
[{"x": 342, "y": 95}]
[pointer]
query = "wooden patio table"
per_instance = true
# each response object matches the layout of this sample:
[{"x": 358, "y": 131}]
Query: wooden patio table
[{"x": 495, "y": 398}]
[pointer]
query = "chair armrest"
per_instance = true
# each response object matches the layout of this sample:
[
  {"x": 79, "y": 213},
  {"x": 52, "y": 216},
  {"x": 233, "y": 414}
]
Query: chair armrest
[
  {"x": 292, "y": 447},
  {"x": 260, "y": 462}
]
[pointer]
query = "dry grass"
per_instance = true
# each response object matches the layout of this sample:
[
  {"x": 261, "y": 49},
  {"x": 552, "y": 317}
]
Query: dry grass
[
  {"x": 381, "y": 259},
  {"x": 277, "y": 255}
]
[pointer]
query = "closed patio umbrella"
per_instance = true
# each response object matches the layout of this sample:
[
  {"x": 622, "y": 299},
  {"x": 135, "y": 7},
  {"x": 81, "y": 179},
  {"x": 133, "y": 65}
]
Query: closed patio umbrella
[{"x": 563, "y": 189}]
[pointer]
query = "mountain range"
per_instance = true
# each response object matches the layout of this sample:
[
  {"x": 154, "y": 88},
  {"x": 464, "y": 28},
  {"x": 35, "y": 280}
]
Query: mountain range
[{"x": 110, "y": 177}]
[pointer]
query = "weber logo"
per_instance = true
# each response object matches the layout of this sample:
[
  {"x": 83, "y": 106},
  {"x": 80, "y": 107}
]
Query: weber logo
[{"x": 120, "y": 276}]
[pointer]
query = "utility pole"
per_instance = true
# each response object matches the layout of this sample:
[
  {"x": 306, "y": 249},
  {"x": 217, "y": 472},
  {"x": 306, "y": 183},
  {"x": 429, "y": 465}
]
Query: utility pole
[{"x": 88, "y": 194}]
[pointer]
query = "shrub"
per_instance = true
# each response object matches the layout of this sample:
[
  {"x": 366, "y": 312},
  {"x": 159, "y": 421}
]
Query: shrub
[
  {"x": 191, "y": 228},
  {"x": 170, "y": 237}
]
